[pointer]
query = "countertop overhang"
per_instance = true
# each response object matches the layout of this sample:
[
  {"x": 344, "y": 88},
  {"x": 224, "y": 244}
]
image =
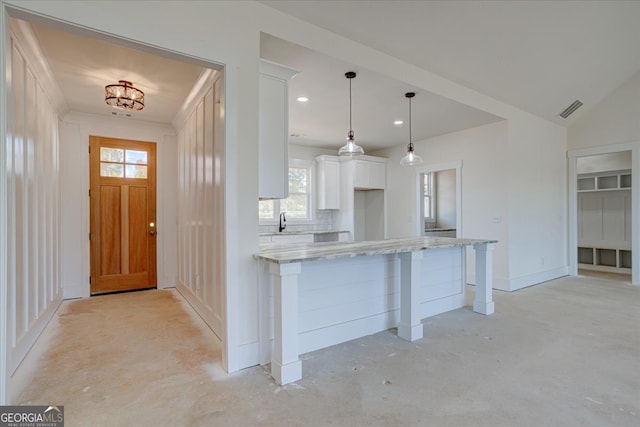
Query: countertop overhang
[{"x": 298, "y": 252}]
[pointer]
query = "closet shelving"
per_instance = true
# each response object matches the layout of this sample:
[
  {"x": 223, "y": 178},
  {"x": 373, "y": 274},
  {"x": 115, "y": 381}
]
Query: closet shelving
[{"x": 609, "y": 253}]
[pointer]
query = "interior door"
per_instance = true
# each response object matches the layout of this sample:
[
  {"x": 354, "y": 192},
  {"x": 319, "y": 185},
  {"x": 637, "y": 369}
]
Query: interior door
[{"x": 123, "y": 210}]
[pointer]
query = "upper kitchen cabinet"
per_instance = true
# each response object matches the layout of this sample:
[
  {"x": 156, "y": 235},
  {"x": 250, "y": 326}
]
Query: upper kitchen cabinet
[
  {"x": 328, "y": 182},
  {"x": 370, "y": 173},
  {"x": 273, "y": 167}
]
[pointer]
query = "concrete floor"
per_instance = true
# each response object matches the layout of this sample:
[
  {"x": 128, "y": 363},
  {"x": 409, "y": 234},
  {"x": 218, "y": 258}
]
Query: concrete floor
[{"x": 563, "y": 353}]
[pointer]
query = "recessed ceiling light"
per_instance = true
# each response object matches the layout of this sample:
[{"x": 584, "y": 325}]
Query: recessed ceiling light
[
  {"x": 398, "y": 122},
  {"x": 303, "y": 99}
]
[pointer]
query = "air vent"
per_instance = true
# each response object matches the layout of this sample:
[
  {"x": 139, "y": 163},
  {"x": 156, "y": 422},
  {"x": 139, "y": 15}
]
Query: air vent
[
  {"x": 121, "y": 114},
  {"x": 570, "y": 109}
]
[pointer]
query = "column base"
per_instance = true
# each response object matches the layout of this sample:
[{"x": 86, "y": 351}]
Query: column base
[
  {"x": 484, "y": 307},
  {"x": 410, "y": 332},
  {"x": 285, "y": 374}
]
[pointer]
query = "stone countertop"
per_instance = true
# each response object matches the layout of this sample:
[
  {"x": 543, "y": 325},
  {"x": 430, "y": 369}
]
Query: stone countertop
[{"x": 289, "y": 253}]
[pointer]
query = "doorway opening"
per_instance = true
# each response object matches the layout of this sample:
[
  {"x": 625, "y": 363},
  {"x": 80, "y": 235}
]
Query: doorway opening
[
  {"x": 439, "y": 198},
  {"x": 602, "y": 212},
  {"x": 213, "y": 167}
]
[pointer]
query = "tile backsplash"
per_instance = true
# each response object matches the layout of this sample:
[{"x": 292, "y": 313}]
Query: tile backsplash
[{"x": 322, "y": 221}]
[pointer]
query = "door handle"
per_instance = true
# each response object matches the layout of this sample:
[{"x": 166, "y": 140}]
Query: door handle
[{"x": 153, "y": 233}]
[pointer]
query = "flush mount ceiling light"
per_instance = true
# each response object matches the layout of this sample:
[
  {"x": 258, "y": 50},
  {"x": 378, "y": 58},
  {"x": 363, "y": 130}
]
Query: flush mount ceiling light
[
  {"x": 124, "y": 95},
  {"x": 411, "y": 158},
  {"x": 350, "y": 148}
]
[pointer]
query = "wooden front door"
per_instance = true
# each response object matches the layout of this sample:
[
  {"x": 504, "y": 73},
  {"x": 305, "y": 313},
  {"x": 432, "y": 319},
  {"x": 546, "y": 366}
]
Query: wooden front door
[{"x": 123, "y": 214}]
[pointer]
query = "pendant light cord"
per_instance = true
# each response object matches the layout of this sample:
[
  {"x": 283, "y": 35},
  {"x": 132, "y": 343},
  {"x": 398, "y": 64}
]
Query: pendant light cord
[
  {"x": 410, "y": 137},
  {"x": 350, "y": 110}
]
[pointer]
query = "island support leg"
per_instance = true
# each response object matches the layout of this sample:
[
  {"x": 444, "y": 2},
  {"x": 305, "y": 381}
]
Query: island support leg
[
  {"x": 410, "y": 327},
  {"x": 483, "y": 302},
  {"x": 286, "y": 366}
]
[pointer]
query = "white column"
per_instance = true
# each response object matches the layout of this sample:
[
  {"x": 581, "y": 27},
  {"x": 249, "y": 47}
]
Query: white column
[
  {"x": 410, "y": 327},
  {"x": 286, "y": 366},
  {"x": 483, "y": 302}
]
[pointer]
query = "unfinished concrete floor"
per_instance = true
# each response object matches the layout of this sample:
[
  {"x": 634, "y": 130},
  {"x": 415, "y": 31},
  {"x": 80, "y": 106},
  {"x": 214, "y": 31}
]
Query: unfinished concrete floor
[{"x": 563, "y": 353}]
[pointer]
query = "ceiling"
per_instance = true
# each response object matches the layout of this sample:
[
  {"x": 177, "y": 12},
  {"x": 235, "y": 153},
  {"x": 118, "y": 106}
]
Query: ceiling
[
  {"x": 377, "y": 101},
  {"x": 82, "y": 67},
  {"x": 538, "y": 56}
]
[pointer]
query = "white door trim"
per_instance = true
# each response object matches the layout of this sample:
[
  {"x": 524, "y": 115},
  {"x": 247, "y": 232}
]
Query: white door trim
[
  {"x": 573, "y": 156},
  {"x": 457, "y": 165}
]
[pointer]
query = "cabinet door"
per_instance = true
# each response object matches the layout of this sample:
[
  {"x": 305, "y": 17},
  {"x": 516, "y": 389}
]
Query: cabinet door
[
  {"x": 370, "y": 175},
  {"x": 377, "y": 175},
  {"x": 328, "y": 183},
  {"x": 273, "y": 128},
  {"x": 361, "y": 179}
]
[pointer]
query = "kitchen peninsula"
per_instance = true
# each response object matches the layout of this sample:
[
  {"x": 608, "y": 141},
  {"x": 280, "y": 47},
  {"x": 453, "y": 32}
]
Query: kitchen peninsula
[{"x": 316, "y": 295}]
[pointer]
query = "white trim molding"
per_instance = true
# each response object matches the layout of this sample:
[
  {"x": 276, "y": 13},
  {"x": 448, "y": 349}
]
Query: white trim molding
[
  {"x": 457, "y": 165},
  {"x": 573, "y": 156}
]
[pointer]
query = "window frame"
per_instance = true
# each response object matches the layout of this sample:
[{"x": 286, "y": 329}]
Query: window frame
[
  {"x": 432, "y": 197},
  {"x": 302, "y": 164}
]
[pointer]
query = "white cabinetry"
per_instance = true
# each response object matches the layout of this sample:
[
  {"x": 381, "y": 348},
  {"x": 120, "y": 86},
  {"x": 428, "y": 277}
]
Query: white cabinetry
[
  {"x": 604, "y": 221},
  {"x": 273, "y": 168},
  {"x": 328, "y": 182},
  {"x": 370, "y": 173},
  {"x": 362, "y": 201}
]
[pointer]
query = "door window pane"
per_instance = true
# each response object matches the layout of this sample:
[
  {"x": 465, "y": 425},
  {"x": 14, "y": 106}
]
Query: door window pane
[
  {"x": 115, "y": 155},
  {"x": 112, "y": 169},
  {"x": 136, "y": 171},
  {"x": 138, "y": 157}
]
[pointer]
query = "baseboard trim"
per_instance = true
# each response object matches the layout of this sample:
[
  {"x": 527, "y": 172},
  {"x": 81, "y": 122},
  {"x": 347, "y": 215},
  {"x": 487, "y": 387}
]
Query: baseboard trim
[{"x": 21, "y": 350}]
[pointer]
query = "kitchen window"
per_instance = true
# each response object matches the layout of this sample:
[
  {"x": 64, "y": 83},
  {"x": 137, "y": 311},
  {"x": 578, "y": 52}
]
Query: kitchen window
[{"x": 298, "y": 205}]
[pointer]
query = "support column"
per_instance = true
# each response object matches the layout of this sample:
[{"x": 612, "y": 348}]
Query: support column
[
  {"x": 286, "y": 366},
  {"x": 483, "y": 302},
  {"x": 410, "y": 327}
]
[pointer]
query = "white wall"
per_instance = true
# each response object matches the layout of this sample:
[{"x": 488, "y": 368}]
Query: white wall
[
  {"x": 32, "y": 206},
  {"x": 200, "y": 211},
  {"x": 537, "y": 201},
  {"x": 604, "y": 162},
  {"x": 614, "y": 120},
  {"x": 483, "y": 187},
  {"x": 510, "y": 192},
  {"x": 74, "y": 189}
]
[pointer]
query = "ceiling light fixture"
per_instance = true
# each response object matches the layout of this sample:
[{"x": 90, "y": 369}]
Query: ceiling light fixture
[
  {"x": 411, "y": 158},
  {"x": 350, "y": 148},
  {"x": 303, "y": 99},
  {"x": 398, "y": 122},
  {"x": 124, "y": 95}
]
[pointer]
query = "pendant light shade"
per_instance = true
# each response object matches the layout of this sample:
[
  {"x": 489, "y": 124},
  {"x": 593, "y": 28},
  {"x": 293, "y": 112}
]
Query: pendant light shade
[
  {"x": 411, "y": 158},
  {"x": 350, "y": 148}
]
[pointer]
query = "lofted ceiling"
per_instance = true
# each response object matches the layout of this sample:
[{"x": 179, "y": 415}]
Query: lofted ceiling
[{"x": 539, "y": 56}]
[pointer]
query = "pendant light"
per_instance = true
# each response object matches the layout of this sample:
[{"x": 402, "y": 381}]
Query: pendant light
[
  {"x": 411, "y": 158},
  {"x": 350, "y": 148}
]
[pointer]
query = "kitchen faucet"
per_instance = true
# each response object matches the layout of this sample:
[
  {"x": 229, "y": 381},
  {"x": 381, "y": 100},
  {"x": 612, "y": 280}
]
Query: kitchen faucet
[{"x": 283, "y": 222}]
